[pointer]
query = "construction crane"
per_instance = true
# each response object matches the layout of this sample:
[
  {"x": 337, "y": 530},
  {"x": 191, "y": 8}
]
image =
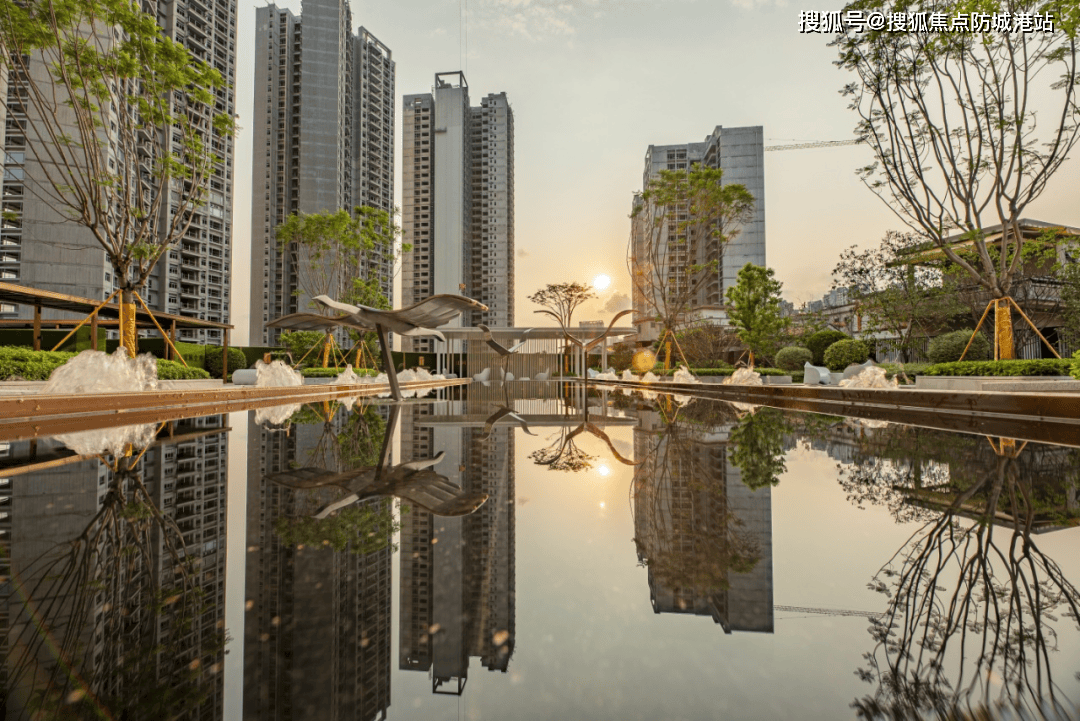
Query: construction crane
[
  {"x": 817, "y": 144},
  {"x": 829, "y": 611}
]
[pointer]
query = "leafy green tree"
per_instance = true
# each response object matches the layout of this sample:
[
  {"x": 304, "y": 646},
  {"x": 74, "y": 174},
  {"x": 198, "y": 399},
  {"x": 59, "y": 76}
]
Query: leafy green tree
[
  {"x": 1070, "y": 301},
  {"x": 951, "y": 119},
  {"x": 755, "y": 310},
  {"x": 680, "y": 224},
  {"x": 121, "y": 122},
  {"x": 893, "y": 296},
  {"x": 341, "y": 255}
]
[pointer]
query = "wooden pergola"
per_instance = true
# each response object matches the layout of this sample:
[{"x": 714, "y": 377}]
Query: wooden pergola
[{"x": 107, "y": 314}]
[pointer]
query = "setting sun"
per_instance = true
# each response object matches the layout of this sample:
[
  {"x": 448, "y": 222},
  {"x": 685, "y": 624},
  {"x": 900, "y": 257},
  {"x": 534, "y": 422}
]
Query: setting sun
[{"x": 601, "y": 282}]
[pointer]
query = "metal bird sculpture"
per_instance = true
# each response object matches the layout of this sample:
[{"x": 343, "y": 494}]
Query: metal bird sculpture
[
  {"x": 499, "y": 347},
  {"x": 590, "y": 344},
  {"x": 420, "y": 319}
]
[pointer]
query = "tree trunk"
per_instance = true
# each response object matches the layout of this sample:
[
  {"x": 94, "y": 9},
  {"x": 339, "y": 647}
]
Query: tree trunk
[
  {"x": 1003, "y": 330},
  {"x": 129, "y": 336}
]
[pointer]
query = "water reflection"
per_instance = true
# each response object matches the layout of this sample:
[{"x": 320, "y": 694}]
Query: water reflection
[
  {"x": 973, "y": 603},
  {"x": 115, "y": 585},
  {"x": 703, "y": 533},
  {"x": 114, "y": 567}
]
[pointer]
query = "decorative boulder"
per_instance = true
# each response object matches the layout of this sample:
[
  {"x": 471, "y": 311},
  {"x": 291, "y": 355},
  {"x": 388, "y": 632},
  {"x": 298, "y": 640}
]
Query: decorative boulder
[{"x": 856, "y": 368}]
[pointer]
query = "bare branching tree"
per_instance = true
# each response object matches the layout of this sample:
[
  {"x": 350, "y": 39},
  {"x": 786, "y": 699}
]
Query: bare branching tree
[
  {"x": 123, "y": 124},
  {"x": 562, "y": 299},
  {"x": 680, "y": 224},
  {"x": 128, "y": 583},
  {"x": 967, "y": 128}
]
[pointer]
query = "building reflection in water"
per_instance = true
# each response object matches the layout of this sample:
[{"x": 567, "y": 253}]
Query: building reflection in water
[
  {"x": 704, "y": 535},
  {"x": 114, "y": 574},
  {"x": 457, "y": 574},
  {"x": 317, "y": 631}
]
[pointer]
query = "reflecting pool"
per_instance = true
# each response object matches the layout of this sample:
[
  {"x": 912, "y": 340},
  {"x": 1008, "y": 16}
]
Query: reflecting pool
[{"x": 538, "y": 551}]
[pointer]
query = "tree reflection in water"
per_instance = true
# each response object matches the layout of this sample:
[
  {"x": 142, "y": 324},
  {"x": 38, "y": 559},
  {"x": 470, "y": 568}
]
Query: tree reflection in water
[
  {"x": 757, "y": 447},
  {"x": 109, "y": 622},
  {"x": 972, "y": 599}
]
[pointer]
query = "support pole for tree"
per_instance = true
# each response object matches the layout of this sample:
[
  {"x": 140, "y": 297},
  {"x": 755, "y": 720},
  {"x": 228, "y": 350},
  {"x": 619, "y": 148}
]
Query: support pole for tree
[
  {"x": 1025, "y": 317},
  {"x": 129, "y": 335},
  {"x": 979, "y": 325},
  {"x": 93, "y": 314},
  {"x": 37, "y": 326},
  {"x": 160, "y": 329}
]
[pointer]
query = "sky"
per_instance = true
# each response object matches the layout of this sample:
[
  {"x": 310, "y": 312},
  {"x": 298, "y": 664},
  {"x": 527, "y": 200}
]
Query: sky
[{"x": 592, "y": 84}]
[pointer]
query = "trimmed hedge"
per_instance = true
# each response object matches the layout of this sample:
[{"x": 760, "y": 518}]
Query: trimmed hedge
[
  {"x": 843, "y": 353},
  {"x": 175, "y": 371},
  {"x": 947, "y": 348},
  {"x": 31, "y": 365},
  {"x": 1041, "y": 367},
  {"x": 34, "y": 365},
  {"x": 794, "y": 358},
  {"x": 212, "y": 360},
  {"x": 819, "y": 342},
  {"x": 1076, "y": 365}
]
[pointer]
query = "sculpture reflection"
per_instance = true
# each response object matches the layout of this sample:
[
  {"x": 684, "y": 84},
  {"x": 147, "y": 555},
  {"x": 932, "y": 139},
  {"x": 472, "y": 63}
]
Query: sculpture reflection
[{"x": 973, "y": 602}]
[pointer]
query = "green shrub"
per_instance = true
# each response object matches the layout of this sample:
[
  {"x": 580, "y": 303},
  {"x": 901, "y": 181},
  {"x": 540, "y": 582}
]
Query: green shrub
[
  {"x": 1075, "y": 371},
  {"x": 843, "y": 353},
  {"x": 794, "y": 357},
  {"x": 911, "y": 370},
  {"x": 256, "y": 353},
  {"x": 819, "y": 342},
  {"x": 213, "y": 360},
  {"x": 176, "y": 371},
  {"x": 947, "y": 348},
  {"x": 1042, "y": 367}
]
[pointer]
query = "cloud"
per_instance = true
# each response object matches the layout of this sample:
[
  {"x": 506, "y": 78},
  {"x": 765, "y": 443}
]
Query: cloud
[
  {"x": 522, "y": 253},
  {"x": 617, "y": 302}
]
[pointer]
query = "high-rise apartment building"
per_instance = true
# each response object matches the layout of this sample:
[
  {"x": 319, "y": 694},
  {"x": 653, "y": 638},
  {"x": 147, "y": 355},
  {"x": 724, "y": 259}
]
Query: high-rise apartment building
[
  {"x": 740, "y": 152},
  {"x": 458, "y": 201},
  {"x": 323, "y": 141},
  {"x": 41, "y": 248}
]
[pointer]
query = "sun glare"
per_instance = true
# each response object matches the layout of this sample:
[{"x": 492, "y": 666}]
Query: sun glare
[{"x": 601, "y": 282}]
